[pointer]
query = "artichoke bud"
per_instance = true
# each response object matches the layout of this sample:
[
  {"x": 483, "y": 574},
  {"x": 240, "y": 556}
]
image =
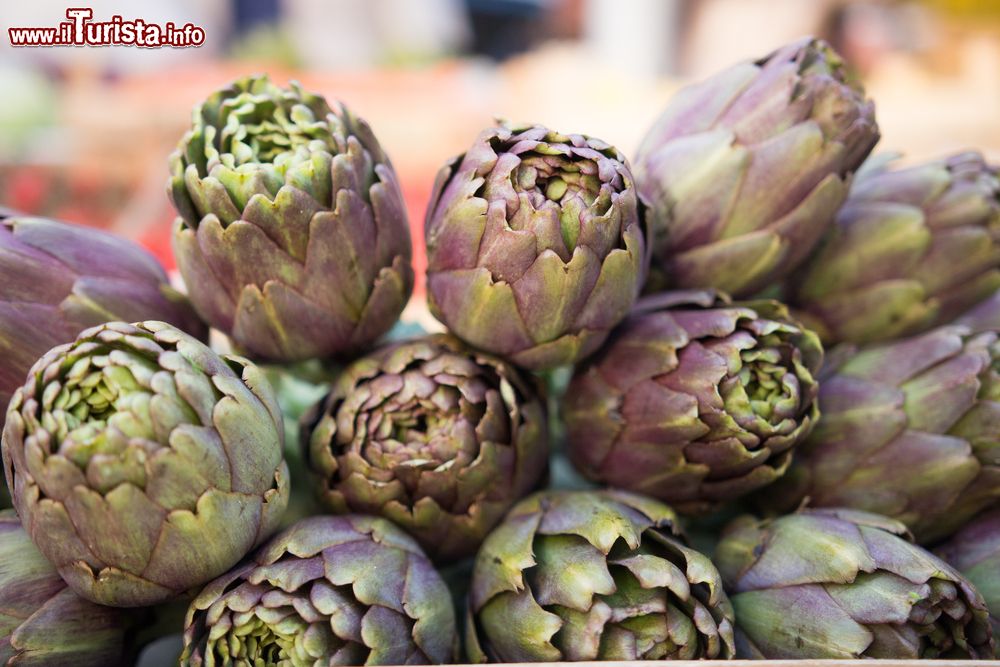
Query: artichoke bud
[
  {"x": 535, "y": 245},
  {"x": 129, "y": 446},
  {"x": 910, "y": 249},
  {"x": 351, "y": 590},
  {"x": 918, "y": 415},
  {"x": 292, "y": 233},
  {"x": 695, "y": 400},
  {"x": 594, "y": 576},
  {"x": 858, "y": 588},
  {"x": 435, "y": 436},
  {"x": 743, "y": 172}
]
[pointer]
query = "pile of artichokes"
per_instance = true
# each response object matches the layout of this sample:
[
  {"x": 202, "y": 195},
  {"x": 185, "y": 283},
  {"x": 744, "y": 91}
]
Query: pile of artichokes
[{"x": 740, "y": 398}]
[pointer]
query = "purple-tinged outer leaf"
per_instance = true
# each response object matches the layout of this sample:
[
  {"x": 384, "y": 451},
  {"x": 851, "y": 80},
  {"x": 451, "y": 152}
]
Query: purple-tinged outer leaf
[
  {"x": 42, "y": 622},
  {"x": 975, "y": 552},
  {"x": 843, "y": 584},
  {"x": 345, "y": 590},
  {"x": 743, "y": 172},
  {"x": 694, "y": 400},
  {"x": 911, "y": 249},
  {"x": 60, "y": 279},
  {"x": 142, "y": 463},
  {"x": 291, "y": 233}
]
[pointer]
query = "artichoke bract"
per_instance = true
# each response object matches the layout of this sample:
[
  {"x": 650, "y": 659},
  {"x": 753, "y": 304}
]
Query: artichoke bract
[
  {"x": 142, "y": 464},
  {"x": 975, "y": 552},
  {"x": 439, "y": 438},
  {"x": 743, "y": 172},
  {"x": 590, "y": 575},
  {"x": 694, "y": 400},
  {"x": 535, "y": 246},
  {"x": 909, "y": 430},
  {"x": 60, "y": 279},
  {"x": 911, "y": 249},
  {"x": 42, "y": 622},
  {"x": 842, "y": 584},
  {"x": 292, "y": 234},
  {"x": 349, "y": 590}
]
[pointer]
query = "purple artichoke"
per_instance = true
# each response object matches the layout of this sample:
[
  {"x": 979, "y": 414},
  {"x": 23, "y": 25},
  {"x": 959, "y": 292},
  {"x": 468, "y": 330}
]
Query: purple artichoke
[
  {"x": 695, "y": 400},
  {"x": 60, "y": 279},
  {"x": 911, "y": 249},
  {"x": 909, "y": 430},
  {"x": 534, "y": 244},
  {"x": 842, "y": 584},
  {"x": 744, "y": 171},
  {"x": 42, "y": 622},
  {"x": 292, "y": 234},
  {"x": 975, "y": 552},
  {"x": 594, "y": 576},
  {"x": 350, "y": 590},
  {"x": 142, "y": 464},
  {"x": 437, "y": 437}
]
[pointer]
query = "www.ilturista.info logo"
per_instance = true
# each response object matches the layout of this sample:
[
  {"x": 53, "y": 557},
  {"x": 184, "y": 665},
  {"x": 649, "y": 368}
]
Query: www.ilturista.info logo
[{"x": 81, "y": 30}]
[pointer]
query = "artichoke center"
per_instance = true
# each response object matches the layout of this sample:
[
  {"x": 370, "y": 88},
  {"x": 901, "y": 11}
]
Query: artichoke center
[
  {"x": 102, "y": 414},
  {"x": 262, "y": 129},
  {"x": 421, "y": 433},
  {"x": 767, "y": 387},
  {"x": 555, "y": 182}
]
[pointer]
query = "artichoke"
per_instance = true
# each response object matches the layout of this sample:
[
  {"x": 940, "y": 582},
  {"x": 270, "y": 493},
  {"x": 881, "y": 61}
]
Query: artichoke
[
  {"x": 535, "y": 247},
  {"x": 292, "y": 234},
  {"x": 975, "y": 552},
  {"x": 694, "y": 400},
  {"x": 348, "y": 590},
  {"x": 60, "y": 279},
  {"x": 42, "y": 622},
  {"x": 142, "y": 464},
  {"x": 840, "y": 584},
  {"x": 909, "y": 430},
  {"x": 437, "y": 437},
  {"x": 590, "y": 575},
  {"x": 911, "y": 249},
  {"x": 744, "y": 171}
]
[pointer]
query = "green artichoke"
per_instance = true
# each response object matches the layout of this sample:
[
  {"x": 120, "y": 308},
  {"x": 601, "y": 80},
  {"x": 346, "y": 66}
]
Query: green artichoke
[
  {"x": 347, "y": 590},
  {"x": 142, "y": 464},
  {"x": 439, "y": 438},
  {"x": 590, "y": 575},
  {"x": 975, "y": 552},
  {"x": 840, "y": 584},
  {"x": 911, "y": 249},
  {"x": 42, "y": 622},
  {"x": 292, "y": 234},
  {"x": 60, "y": 279},
  {"x": 744, "y": 171},
  {"x": 535, "y": 246},
  {"x": 909, "y": 430},
  {"x": 694, "y": 400}
]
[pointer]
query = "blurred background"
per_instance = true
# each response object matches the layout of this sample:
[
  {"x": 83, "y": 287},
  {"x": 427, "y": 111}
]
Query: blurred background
[{"x": 85, "y": 132}]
